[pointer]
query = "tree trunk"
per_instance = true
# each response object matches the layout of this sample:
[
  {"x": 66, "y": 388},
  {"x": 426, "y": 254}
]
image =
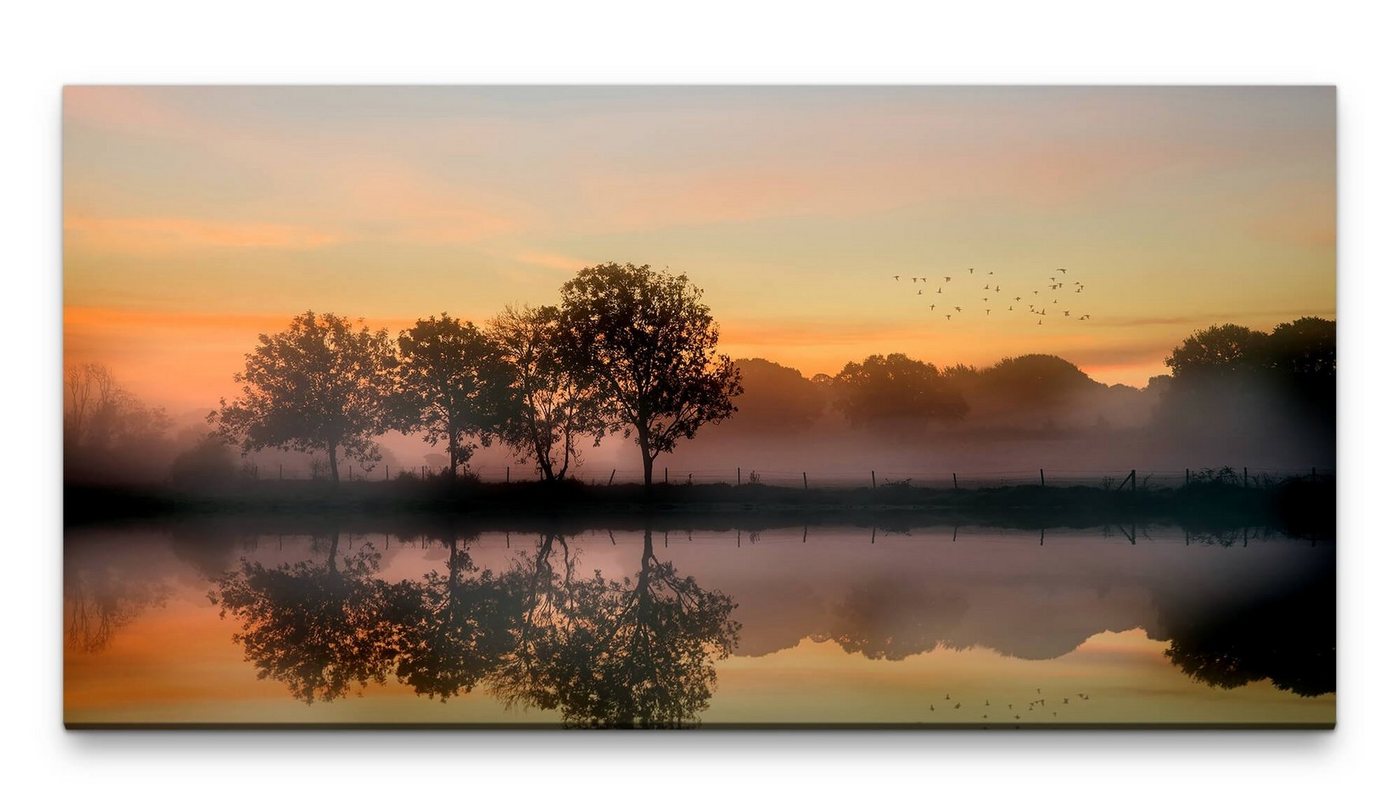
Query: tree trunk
[
  {"x": 335, "y": 464},
  {"x": 452, "y": 452},
  {"x": 644, "y": 441}
]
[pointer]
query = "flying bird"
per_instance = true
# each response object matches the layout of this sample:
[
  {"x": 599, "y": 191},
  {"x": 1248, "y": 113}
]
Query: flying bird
[
  {"x": 1060, "y": 270},
  {"x": 896, "y": 278},
  {"x": 947, "y": 278}
]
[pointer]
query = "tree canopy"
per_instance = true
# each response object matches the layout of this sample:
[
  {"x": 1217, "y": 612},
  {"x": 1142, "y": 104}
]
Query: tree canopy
[
  {"x": 450, "y": 383},
  {"x": 552, "y": 408},
  {"x": 321, "y": 385},
  {"x": 895, "y": 392},
  {"x": 644, "y": 339}
]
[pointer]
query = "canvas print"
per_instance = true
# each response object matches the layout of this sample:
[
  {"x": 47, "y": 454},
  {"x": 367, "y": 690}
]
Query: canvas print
[{"x": 699, "y": 407}]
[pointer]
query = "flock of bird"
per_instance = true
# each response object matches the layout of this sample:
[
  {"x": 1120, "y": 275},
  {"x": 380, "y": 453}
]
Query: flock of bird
[
  {"x": 949, "y": 295},
  {"x": 1012, "y": 713}
]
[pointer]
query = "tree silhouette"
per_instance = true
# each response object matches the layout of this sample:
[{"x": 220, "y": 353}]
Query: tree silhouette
[
  {"x": 105, "y": 427},
  {"x": 320, "y": 629},
  {"x": 895, "y": 392},
  {"x": 552, "y": 408},
  {"x": 1219, "y": 350},
  {"x": 451, "y": 384},
  {"x": 320, "y": 385},
  {"x": 776, "y": 399},
  {"x": 643, "y": 337},
  {"x": 631, "y": 653}
]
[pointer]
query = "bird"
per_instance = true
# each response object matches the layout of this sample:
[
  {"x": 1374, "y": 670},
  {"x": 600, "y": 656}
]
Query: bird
[
  {"x": 1009, "y": 308},
  {"x": 1036, "y": 292},
  {"x": 1018, "y": 297},
  {"x": 947, "y": 696},
  {"x": 921, "y": 292},
  {"x": 933, "y": 306},
  {"x": 1066, "y": 314},
  {"x": 1040, "y": 323},
  {"x": 947, "y": 278},
  {"x": 989, "y": 311},
  {"x": 896, "y": 278},
  {"x": 998, "y": 289},
  {"x": 991, "y": 272},
  {"x": 958, "y": 308},
  {"x": 957, "y": 705},
  {"x": 950, "y": 317},
  {"x": 986, "y": 286},
  {"x": 1060, "y": 270},
  {"x": 969, "y": 270}
]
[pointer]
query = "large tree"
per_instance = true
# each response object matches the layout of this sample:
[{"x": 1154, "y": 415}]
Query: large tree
[
  {"x": 451, "y": 383},
  {"x": 321, "y": 385},
  {"x": 643, "y": 337},
  {"x": 552, "y": 409}
]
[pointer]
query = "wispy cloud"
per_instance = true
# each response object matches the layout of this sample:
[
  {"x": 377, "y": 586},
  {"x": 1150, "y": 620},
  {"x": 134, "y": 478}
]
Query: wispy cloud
[{"x": 162, "y": 234}]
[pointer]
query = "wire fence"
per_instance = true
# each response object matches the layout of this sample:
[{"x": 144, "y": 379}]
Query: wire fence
[{"x": 739, "y": 476}]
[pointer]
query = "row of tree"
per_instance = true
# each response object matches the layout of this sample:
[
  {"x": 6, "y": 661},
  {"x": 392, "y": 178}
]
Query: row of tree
[{"x": 628, "y": 349}]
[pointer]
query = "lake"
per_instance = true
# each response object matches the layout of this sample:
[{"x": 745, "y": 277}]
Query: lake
[{"x": 205, "y": 622}]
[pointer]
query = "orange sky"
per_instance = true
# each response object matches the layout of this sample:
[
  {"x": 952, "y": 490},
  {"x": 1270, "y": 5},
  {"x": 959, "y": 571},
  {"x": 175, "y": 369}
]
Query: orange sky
[{"x": 195, "y": 218}]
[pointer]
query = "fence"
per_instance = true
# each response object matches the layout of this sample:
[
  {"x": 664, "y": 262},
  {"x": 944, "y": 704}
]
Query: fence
[{"x": 1135, "y": 479}]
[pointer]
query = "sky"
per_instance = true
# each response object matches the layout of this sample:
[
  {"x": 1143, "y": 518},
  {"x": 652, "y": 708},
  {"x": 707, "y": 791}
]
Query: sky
[{"x": 195, "y": 218}]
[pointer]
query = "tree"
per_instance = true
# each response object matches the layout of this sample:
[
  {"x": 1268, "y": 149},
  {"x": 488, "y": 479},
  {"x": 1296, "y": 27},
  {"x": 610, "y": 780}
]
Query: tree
[
  {"x": 451, "y": 383},
  {"x": 643, "y": 337},
  {"x": 896, "y": 392},
  {"x": 321, "y": 385},
  {"x": 1218, "y": 351},
  {"x": 776, "y": 399},
  {"x": 551, "y": 407},
  {"x": 103, "y": 423}
]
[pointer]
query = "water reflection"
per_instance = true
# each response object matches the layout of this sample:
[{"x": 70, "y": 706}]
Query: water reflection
[
  {"x": 624, "y": 633},
  {"x": 634, "y": 652}
]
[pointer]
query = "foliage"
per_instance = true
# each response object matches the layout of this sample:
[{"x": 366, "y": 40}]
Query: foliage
[
  {"x": 895, "y": 392},
  {"x": 450, "y": 383},
  {"x": 552, "y": 409},
  {"x": 320, "y": 385},
  {"x": 644, "y": 339}
]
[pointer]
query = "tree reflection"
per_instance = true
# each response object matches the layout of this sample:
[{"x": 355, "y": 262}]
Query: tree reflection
[
  {"x": 638, "y": 652},
  {"x": 98, "y": 600},
  {"x": 604, "y": 652},
  {"x": 1288, "y": 637},
  {"x": 456, "y": 627},
  {"x": 319, "y": 628}
]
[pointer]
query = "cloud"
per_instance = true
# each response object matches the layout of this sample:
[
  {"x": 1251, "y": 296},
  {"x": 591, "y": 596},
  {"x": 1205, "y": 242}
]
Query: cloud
[{"x": 163, "y": 234}]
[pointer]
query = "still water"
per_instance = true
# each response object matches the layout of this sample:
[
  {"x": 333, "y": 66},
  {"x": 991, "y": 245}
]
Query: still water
[{"x": 817, "y": 625}]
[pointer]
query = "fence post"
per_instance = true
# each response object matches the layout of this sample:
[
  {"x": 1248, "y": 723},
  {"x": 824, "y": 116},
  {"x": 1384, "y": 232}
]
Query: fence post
[
  {"x": 386, "y": 477},
  {"x": 804, "y": 488},
  {"x": 279, "y": 472},
  {"x": 1246, "y": 477},
  {"x": 955, "y": 481},
  {"x": 507, "y": 474},
  {"x": 1042, "y": 477},
  {"x": 738, "y": 481},
  {"x": 1133, "y": 476},
  {"x": 1188, "y": 476},
  {"x": 1314, "y": 474},
  {"x": 666, "y": 474},
  {"x": 610, "y": 477},
  {"x": 872, "y": 488}
]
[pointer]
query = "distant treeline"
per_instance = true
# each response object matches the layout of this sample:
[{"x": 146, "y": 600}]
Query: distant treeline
[{"x": 631, "y": 350}]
